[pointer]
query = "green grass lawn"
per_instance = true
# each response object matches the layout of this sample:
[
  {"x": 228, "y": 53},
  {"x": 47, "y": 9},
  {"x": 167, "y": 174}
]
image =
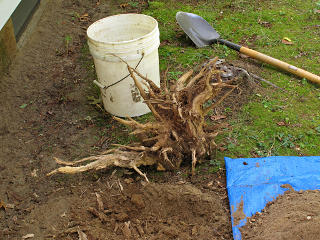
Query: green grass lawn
[{"x": 261, "y": 25}]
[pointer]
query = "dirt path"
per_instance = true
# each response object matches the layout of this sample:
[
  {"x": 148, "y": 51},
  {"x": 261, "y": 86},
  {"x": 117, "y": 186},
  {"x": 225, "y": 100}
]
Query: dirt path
[{"x": 45, "y": 113}]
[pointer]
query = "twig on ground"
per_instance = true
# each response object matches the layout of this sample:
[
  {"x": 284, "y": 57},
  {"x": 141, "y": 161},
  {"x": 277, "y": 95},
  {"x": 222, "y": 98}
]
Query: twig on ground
[
  {"x": 103, "y": 218},
  {"x": 249, "y": 75}
]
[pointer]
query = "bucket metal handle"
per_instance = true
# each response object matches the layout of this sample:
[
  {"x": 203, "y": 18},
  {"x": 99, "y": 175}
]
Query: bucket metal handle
[{"x": 106, "y": 87}]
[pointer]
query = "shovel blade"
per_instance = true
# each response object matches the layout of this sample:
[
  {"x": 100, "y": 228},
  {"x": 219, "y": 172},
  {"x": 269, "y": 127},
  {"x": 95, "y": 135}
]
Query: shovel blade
[{"x": 198, "y": 29}]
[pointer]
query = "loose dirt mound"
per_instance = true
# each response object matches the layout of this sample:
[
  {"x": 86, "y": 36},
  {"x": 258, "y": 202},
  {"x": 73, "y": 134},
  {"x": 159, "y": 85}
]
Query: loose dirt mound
[
  {"x": 295, "y": 215},
  {"x": 155, "y": 211}
]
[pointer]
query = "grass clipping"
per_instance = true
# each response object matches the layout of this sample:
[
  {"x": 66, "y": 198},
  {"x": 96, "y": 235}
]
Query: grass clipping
[{"x": 179, "y": 132}]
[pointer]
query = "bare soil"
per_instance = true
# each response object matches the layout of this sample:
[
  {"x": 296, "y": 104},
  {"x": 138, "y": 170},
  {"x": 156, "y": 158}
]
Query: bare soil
[
  {"x": 45, "y": 112},
  {"x": 294, "y": 215}
]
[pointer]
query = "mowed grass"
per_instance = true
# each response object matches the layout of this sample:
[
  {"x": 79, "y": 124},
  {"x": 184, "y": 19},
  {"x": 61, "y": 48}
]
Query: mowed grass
[{"x": 271, "y": 123}]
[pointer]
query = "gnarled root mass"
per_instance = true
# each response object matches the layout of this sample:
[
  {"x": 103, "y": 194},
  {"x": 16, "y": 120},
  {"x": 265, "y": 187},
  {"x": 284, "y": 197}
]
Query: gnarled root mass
[{"x": 179, "y": 132}]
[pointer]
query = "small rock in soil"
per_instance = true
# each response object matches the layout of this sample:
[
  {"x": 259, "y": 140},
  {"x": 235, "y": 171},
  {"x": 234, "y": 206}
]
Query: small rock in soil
[
  {"x": 137, "y": 199},
  {"x": 121, "y": 216}
]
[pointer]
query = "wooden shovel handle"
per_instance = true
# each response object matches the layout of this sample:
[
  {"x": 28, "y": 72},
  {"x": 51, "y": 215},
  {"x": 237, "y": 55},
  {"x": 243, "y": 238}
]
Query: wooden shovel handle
[{"x": 280, "y": 64}]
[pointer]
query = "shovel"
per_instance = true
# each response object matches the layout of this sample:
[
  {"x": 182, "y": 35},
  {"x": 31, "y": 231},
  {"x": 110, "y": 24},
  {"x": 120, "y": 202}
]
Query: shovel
[{"x": 202, "y": 34}]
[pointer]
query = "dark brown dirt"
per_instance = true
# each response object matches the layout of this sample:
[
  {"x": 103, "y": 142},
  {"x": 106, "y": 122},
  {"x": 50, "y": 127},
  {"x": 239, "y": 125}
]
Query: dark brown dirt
[
  {"x": 153, "y": 211},
  {"x": 45, "y": 112},
  {"x": 294, "y": 215}
]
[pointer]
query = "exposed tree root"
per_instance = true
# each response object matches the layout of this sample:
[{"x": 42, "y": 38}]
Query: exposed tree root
[
  {"x": 115, "y": 158},
  {"x": 179, "y": 132}
]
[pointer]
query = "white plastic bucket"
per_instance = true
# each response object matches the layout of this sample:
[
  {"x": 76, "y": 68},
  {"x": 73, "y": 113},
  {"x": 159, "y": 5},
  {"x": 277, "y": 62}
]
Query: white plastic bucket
[{"x": 135, "y": 39}]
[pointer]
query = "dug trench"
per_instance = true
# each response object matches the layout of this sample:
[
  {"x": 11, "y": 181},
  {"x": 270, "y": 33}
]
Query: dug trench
[{"x": 45, "y": 113}]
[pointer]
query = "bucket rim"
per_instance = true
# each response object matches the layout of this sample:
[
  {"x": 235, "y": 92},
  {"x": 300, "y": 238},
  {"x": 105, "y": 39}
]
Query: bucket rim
[{"x": 127, "y": 41}]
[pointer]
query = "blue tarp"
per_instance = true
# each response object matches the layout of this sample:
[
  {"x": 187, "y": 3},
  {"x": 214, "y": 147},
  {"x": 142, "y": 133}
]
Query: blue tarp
[{"x": 257, "y": 181}]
